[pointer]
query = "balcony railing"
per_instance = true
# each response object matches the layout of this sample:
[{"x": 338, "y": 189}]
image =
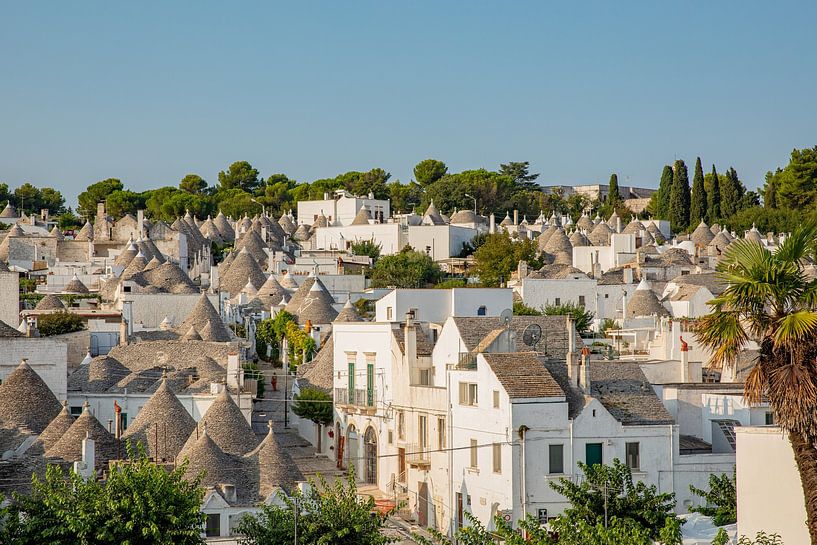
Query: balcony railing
[
  {"x": 418, "y": 455},
  {"x": 467, "y": 360},
  {"x": 359, "y": 397}
]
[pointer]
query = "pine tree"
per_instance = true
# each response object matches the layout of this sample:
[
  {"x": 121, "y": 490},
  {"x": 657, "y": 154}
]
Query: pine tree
[
  {"x": 713, "y": 197},
  {"x": 679, "y": 198},
  {"x": 613, "y": 194},
  {"x": 664, "y": 189},
  {"x": 697, "y": 205}
]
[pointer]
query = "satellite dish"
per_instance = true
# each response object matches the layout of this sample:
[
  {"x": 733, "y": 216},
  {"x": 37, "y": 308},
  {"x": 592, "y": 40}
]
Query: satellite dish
[
  {"x": 506, "y": 316},
  {"x": 532, "y": 335}
]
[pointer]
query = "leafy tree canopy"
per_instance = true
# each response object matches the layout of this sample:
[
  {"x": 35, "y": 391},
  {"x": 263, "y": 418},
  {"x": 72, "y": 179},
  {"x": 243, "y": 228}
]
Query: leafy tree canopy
[
  {"x": 313, "y": 404},
  {"x": 193, "y": 183},
  {"x": 58, "y": 323},
  {"x": 240, "y": 175},
  {"x": 428, "y": 171},
  {"x": 406, "y": 269},
  {"x": 582, "y": 317},
  {"x": 796, "y": 184},
  {"x": 96, "y": 193},
  {"x": 499, "y": 256}
]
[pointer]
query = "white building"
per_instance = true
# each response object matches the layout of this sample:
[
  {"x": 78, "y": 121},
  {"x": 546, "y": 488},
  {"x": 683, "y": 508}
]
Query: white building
[
  {"x": 437, "y": 305},
  {"x": 342, "y": 207}
]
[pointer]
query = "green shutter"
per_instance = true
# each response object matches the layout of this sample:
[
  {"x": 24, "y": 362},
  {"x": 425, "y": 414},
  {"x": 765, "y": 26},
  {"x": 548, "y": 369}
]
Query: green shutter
[
  {"x": 351, "y": 382},
  {"x": 592, "y": 453},
  {"x": 370, "y": 384}
]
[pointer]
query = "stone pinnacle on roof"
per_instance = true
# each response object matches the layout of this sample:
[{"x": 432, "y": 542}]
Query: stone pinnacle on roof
[
  {"x": 26, "y": 401},
  {"x": 69, "y": 446},
  {"x": 163, "y": 425},
  {"x": 644, "y": 302}
]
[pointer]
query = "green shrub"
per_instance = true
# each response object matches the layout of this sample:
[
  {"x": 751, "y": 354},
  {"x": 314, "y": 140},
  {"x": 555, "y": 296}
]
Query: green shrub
[{"x": 58, "y": 323}]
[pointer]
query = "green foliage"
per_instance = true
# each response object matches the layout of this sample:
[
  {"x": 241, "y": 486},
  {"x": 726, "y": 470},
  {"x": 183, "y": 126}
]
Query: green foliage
[
  {"x": 140, "y": 503},
  {"x": 776, "y": 220},
  {"x": 721, "y": 499},
  {"x": 613, "y": 193},
  {"x": 795, "y": 186},
  {"x": 494, "y": 192},
  {"x": 271, "y": 331},
  {"x": 31, "y": 199},
  {"x": 240, "y": 175},
  {"x": 124, "y": 201},
  {"x": 366, "y": 247},
  {"x": 698, "y": 199},
  {"x": 301, "y": 344},
  {"x": 406, "y": 269},
  {"x": 313, "y": 404},
  {"x": 582, "y": 317},
  {"x": 761, "y": 538},
  {"x": 713, "y": 196},
  {"x": 404, "y": 197},
  {"x": 365, "y": 308},
  {"x": 608, "y": 324},
  {"x": 68, "y": 220},
  {"x": 521, "y": 309},
  {"x": 626, "y": 499},
  {"x": 96, "y": 193},
  {"x": 498, "y": 257},
  {"x": 721, "y": 538},
  {"x": 679, "y": 198},
  {"x": 251, "y": 372},
  {"x": 452, "y": 283},
  {"x": 519, "y": 172},
  {"x": 659, "y": 202},
  {"x": 327, "y": 515},
  {"x": 193, "y": 183},
  {"x": 732, "y": 191},
  {"x": 429, "y": 171},
  {"x": 58, "y": 323}
]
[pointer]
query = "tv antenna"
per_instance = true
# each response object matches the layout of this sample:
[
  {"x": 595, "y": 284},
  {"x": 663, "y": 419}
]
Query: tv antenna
[{"x": 532, "y": 335}]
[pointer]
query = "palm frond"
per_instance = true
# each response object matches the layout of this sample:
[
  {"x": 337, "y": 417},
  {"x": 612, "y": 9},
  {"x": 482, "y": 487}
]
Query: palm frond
[
  {"x": 799, "y": 245},
  {"x": 795, "y": 327},
  {"x": 755, "y": 385}
]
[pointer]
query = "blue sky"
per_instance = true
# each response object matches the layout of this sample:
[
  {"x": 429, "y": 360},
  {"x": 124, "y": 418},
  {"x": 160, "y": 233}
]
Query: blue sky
[{"x": 150, "y": 91}]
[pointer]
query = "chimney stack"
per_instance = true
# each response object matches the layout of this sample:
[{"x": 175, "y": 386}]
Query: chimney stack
[
  {"x": 516, "y": 217},
  {"x": 233, "y": 370},
  {"x": 685, "y": 378},
  {"x": 572, "y": 365},
  {"x": 123, "y": 332},
  {"x": 584, "y": 371},
  {"x": 618, "y": 224},
  {"x": 410, "y": 339},
  {"x": 492, "y": 223}
]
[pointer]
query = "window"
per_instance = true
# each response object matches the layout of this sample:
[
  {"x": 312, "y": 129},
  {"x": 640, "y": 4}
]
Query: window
[
  {"x": 422, "y": 432},
  {"x": 769, "y": 419},
  {"x": 632, "y": 455},
  {"x": 391, "y": 437},
  {"x": 606, "y": 295},
  {"x": 389, "y": 313},
  {"x": 350, "y": 363},
  {"x": 542, "y": 515},
  {"x": 482, "y": 311},
  {"x": 441, "y": 433},
  {"x": 581, "y": 301},
  {"x": 401, "y": 425},
  {"x": 76, "y": 411},
  {"x": 556, "y": 459},
  {"x": 558, "y": 301},
  {"x": 474, "y": 454},
  {"x": 212, "y": 525},
  {"x": 468, "y": 394},
  {"x": 497, "y": 457},
  {"x": 496, "y": 399},
  {"x": 370, "y": 358},
  {"x": 425, "y": 377}
]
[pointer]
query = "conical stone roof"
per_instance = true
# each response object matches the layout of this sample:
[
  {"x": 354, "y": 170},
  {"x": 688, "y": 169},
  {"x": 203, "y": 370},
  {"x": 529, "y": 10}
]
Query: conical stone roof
[
  {"x": 271, "y": 292},
  {"x": 585, "y": 223},
  {"x": 227, "y": 427},
  {"x": 274, "y": 465},
  {"x": 56, "y": 233},
  {"x": 644, "y": 302},
  {"x": 252, "y": 243},
  {"x": 244, "y": 268},
  {"x": 75, "y": 286},
  {"x": 163, "y": 425},
  {"x": 56, "y": 428},
  {"x": 286, "y": 224},
  {"x": 203, "y": 316},
  {"x": 69, "y": 446},
  {"x": 224, "y": 228},
  {"x": 702, "y": 235},
  {"x": 86, "y": 233},
  {"x": 348, "y": 313},
  {"x": 8, "y": 211},
  {"x": 600, "y": 235},
  {"x": 169, "y": 278},
  {"x": 208, "y": 459},
  {"x": 50, "y": 302},
  {"x": 312, "y": 302},
  {"x": 26, "y": 401},
  {"x": 542, "y": 240}
]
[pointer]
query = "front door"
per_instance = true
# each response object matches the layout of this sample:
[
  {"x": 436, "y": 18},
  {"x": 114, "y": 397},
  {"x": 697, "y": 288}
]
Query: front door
[
  {"x": 422, "y": 503},
  {"x": 592, "y": 453},
  {"x": 459, "y": 509},
  {"x": 371, "y": 456},
  {"x": 401, "y": 465}
]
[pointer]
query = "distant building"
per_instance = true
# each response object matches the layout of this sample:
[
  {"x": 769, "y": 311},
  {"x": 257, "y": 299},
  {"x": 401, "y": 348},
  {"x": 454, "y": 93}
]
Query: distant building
[
  {"x": 599, "y": 191},
  {"x": 341, "y": 209}
]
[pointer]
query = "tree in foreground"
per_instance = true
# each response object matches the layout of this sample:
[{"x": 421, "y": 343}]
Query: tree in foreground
[
  {"x": 659, "y": 202},
  {"x": 771, "y": 299},
  {"x": 59, "y": 322},
  {"x": 721, "y": 499},
  {"x": 313, "y": 404},
  {"x": 326, "y": 515},
  {"x": 406, "y": 269},
  {"x": 636, "y": 514},
  {"x": 140, "y": 503}
]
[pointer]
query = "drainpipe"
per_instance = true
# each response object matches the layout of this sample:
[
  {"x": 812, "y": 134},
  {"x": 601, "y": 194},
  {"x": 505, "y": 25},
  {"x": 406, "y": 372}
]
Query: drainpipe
[{"x": 522, "y": 489}]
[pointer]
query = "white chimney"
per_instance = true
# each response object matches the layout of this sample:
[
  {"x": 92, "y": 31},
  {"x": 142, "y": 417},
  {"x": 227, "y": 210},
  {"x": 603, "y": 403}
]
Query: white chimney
[
  {"x": 572, "y": 364},
  {"x": 410, "y": 339},
  {"x": 584, "y": 371},
  {"x": 85, "y": 467},
  {"x": 618, "y": 224},
  {"x": 685, "y": 377},
  {"x": 516, "y": 217},
  {"x": 628, "y": 275},
  {"x": 492, "y": 223},
  {"x": 234, "y": 371}
]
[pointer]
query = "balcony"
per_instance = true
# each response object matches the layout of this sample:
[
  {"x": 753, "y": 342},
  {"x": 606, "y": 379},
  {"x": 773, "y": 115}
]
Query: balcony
[
  {"x": 418, "y": 456},
  {"x": 360, "y": 400},
  {"x": 467, "y": 361}
]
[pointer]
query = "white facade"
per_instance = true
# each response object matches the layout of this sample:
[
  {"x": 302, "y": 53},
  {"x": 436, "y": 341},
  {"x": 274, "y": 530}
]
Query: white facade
[
  {"x": 47, "y": 357},
  {"x": 440, "y": 241},
  {"x": 770, "y": 493},
  {"x": 437, "y": 305},
  {"x": 342, "y": 209},
  {"x": 390, "y": 236}
]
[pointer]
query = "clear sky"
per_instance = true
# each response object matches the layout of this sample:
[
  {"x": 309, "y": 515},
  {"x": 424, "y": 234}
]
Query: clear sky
[{"x": 150, "y": 91}]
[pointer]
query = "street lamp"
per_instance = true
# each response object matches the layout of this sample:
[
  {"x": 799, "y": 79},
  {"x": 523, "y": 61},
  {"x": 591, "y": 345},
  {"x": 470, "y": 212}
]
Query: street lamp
[
  {"x": 475, "y": 201},
  {"x": 263, "y": 208}
]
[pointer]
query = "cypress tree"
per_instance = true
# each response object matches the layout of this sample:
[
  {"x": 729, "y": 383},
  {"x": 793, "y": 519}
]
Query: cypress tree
[
  {"x": 679, "y": 198},
  {"x": 697, "y": 205},
  {"x": 713, "y": 198},
  {"x": 731, "y": 192},
  {"x": 664, "y": 189},
  {"x": 613, "y": 194}
]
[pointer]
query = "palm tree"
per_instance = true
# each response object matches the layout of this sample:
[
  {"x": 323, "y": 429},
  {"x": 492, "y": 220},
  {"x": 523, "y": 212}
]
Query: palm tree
[{"x": 770, "y": 299}]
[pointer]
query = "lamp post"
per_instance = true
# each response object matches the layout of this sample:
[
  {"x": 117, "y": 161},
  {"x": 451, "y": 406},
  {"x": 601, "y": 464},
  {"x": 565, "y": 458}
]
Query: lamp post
[
  {"x": 263, "y": 208},
  {"x": 475, "y": 201}
]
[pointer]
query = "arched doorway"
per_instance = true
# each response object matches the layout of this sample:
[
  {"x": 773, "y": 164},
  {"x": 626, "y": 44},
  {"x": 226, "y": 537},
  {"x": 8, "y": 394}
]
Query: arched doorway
[
  {"x": 352, "y": 452},
  {"x": 370, "y": 440}
]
